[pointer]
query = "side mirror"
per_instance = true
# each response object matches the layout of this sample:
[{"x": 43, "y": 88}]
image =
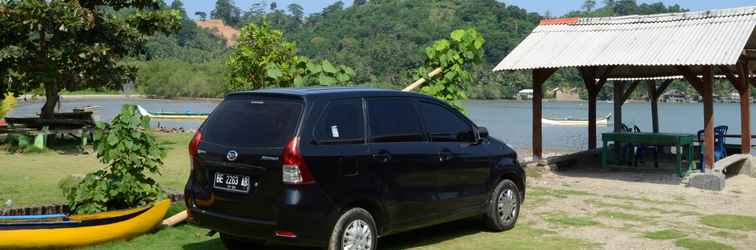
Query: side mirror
[{"x": 482, "y": 133}]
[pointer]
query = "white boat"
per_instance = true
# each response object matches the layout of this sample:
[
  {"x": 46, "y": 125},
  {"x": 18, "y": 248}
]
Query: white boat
[{"x": 574, "y": 122}]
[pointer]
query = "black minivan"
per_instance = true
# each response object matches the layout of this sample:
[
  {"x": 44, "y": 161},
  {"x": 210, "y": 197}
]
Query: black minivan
[{"x": 341, "y": 167}]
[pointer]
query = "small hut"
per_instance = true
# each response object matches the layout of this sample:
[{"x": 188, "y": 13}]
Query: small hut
[{"x": 649, "y": 49}]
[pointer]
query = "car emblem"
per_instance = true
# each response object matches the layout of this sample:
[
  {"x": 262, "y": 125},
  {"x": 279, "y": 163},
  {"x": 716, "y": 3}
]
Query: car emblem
[{"x": 232, "y": 155}]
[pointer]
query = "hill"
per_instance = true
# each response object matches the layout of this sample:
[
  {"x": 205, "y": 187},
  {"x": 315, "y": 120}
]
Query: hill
[
  {"x": 218, "y": 28},
  {"x": 384, "y": 40}
]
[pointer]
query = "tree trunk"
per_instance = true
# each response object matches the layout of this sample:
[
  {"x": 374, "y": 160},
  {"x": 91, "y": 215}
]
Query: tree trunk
[{"x": 51, "y": 99}]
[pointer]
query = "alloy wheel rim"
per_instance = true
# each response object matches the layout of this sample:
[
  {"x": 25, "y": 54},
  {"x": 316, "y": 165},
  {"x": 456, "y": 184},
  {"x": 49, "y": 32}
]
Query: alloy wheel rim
[
  {"x": 357, "y": 236},
  {"x": 506, "y": 206}
]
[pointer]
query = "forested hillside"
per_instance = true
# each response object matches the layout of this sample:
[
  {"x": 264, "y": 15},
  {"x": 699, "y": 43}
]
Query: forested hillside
[{"x": 382, "y": 40}]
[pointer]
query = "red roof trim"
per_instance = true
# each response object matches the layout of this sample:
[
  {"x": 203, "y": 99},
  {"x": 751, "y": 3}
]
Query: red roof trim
[{"x": 555, "y": 21}]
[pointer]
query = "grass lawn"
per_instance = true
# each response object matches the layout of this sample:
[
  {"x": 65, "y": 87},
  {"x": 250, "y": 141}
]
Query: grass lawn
[
  {"x": 464, "y": 234},
  {"x": 32, "y": 178}
]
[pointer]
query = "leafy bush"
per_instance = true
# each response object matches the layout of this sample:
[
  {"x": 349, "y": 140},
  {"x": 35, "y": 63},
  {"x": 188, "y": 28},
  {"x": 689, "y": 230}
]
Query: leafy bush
[
  {"x": 453, "y": 56},
  {"x": 131, "y": 154}
]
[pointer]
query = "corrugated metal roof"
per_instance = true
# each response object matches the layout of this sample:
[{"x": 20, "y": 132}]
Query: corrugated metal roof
[{"x": 638, "y": 46}]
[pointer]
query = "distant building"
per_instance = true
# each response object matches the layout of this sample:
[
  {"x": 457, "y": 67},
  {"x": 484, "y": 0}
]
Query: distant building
[
  {"x": 674, "y": 96},
  {"x": 525, "y": 94},
  {"x": 735, "y": 97},
  {"x": 566, "y": 95}
]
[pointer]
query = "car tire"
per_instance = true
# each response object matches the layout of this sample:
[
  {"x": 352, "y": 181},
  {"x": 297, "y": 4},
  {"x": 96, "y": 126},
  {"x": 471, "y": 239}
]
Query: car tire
[
  {"x": 234, "y": 243},
  {"x": 354, "y": 226},
  {"x": 503, "y": 206}
]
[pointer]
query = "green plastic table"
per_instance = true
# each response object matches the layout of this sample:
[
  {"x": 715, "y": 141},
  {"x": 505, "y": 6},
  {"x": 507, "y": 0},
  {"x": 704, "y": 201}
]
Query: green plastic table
[{"x": 661, "y": 139}]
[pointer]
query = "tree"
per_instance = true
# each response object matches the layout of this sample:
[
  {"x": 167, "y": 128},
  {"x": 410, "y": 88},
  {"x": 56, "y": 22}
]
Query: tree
[
  {"x": 228, "y": 12},
  {"x": 178, "y": 5},
  {"x": 56, "y": 44},
  {"x": 454, "y": 57},
  {"x": 201, "y": 14},
  {"x": 265, "y": 59},
  {"x": 296, "y": 10},
  {"x": 625, "y": 7},
  {"x": 258, "y": 47},
  {"x": 273, "y": 6},
  {"x": 359, "y": 2},
  {"x": 588, "y": 5}
]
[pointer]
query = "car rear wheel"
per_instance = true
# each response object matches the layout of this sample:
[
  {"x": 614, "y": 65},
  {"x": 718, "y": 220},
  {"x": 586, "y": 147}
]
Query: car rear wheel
[
  {"x": 355, "y": 230},
  {"x": 234, "y": 243},
  {"x": 503, "y": 206}
]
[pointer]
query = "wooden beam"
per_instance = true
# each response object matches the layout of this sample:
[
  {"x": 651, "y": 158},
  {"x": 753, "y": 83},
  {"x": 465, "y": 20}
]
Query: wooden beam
[
  {"x": 745, "y": 109},
  {"x": 420, "y": 81},
  {"x": 692, "y": 78},
  {"x": 539, "y": 77},
  {"x": 630, "y": 91},
  {"x": 654, "y": 98},
  {"x": 663, "y": 87},
  {"x": 708, "y": 102},
  {"x": 731, "y": 78}
]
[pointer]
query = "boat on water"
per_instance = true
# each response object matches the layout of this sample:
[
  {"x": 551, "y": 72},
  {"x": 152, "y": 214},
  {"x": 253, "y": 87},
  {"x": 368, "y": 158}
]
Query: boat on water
[
  {"x": 66, "y": 231},
  {"x": 576, "y": 122},
  {"x": 172, "y": 115}
]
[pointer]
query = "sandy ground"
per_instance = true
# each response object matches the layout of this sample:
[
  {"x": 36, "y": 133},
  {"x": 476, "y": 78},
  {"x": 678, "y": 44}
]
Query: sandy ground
[{"x": 625, "y": 205}]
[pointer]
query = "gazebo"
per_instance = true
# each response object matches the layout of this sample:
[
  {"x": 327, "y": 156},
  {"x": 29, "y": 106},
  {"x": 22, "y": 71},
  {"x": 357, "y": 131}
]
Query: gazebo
[{"x": 655, "y": 49}]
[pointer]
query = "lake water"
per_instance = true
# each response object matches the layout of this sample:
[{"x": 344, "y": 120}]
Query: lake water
[{"x": 506, "y": 120}]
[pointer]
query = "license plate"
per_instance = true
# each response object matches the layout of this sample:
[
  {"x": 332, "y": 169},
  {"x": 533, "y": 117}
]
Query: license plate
[{"x": 231, "y": 182}]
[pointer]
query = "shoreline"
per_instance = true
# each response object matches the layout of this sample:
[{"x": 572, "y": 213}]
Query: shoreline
[{"x": 33, "y": 98}]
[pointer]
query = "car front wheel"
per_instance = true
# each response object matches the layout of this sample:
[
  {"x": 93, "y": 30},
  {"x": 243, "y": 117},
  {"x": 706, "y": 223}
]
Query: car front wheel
[
  {"x": 503, "y": 206},
  {"x": 355, "y": 230}
]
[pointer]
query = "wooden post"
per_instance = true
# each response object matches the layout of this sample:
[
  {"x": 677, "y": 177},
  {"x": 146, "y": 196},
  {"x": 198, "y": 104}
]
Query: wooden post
[
  {"x": 539, "y": 77},
  {"x": 619, "y": 93},
  {"x": 745, "y": 109},
  {"x": 654, "y": 98},
  {"x": 593, "y": 86},
  {"x": 708, "y": 102}
]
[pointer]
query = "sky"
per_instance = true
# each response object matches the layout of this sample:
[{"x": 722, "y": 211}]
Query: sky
[{"x": 556, "y": 7}]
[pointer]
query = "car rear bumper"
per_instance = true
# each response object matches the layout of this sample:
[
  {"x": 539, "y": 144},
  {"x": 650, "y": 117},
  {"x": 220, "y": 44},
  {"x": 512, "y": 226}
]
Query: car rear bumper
[{"x": 303, "y": 210}]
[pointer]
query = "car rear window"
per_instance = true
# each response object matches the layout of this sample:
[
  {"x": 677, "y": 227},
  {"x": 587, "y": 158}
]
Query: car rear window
[{"x": 253, "y": 122}]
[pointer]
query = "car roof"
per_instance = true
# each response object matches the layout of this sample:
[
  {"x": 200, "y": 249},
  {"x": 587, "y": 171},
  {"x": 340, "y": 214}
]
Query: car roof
[{"x": 332, "y": 92}]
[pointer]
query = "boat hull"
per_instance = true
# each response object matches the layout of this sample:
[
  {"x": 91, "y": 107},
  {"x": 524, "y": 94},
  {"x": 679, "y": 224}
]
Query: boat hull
[
  {"x": 85, "y": 235},
  {"x": 572, "y": 122}
]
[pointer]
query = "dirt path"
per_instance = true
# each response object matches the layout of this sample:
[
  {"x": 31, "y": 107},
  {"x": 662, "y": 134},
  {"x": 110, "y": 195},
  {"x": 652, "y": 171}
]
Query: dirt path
[{"x": 634, "y": 210}]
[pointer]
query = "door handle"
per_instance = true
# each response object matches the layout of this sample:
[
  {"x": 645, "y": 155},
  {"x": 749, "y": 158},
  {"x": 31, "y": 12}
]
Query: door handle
[
  {"x": 382, "y": 156},
  {"x": 445, "y": 155}
]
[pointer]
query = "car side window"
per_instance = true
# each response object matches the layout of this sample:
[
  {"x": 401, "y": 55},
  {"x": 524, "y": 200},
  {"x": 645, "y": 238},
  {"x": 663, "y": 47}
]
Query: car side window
[
  {"x": 342, "y": 123},
  {"x": 394, "y": 120},
  {"x": 444, "y": 125}
]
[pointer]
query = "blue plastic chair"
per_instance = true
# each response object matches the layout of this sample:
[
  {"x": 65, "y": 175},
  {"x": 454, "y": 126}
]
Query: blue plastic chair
[
  {"x": 720, "y": 149},
  {"x": 640, "y": 149}
]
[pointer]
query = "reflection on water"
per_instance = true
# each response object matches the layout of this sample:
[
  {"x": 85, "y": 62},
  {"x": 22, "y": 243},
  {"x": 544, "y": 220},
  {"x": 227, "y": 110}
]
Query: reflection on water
[{"x": 506, "y": 120}]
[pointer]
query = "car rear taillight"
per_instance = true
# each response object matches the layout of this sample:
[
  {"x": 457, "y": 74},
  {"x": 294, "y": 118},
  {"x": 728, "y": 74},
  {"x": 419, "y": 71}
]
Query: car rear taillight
[
  {"x": 194, "y": 144},
  {"x": 294, "y": 169}
]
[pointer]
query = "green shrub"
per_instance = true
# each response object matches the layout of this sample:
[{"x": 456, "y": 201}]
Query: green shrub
[
  {"x": 174, "y": 78},
  {"x": 131, "y": 154}
]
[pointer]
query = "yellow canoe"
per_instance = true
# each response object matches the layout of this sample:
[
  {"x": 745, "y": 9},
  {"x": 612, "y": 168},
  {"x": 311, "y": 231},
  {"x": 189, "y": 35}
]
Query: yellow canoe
[{"x": 86, "y": 230}]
